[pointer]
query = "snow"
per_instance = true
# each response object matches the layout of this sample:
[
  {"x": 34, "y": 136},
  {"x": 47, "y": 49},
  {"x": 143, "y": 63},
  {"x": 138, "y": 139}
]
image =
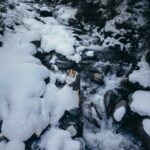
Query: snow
[
  {"x": 90, "y": 53},
  {"x": 146, "y": 126},
  {"x": 141, "y": 103},
  {"x": 58, "y": 101},
  {"x": 107, "y": 139},
  {"x": 119, "y": 113},
  {"x": 16, "y": 145},
  {"x": 141, "y": 76},
  {"x": 2, "y": 145},
  {"x": 58, "y": 39},
  {"x": 56, "y": 139},
  {"x": 64, "y": 13}
]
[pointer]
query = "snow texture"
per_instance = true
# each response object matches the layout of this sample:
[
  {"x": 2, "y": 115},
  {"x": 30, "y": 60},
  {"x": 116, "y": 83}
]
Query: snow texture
[
  {"x": 119, "y": 113},
  {"x": 56, "y": 139},
  {"x": 146, "y": 126},
  {"x": 141, "y": 103},
  {"x": 141, "y": 76}
]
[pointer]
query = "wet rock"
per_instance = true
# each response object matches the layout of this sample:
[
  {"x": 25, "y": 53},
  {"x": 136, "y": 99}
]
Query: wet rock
[
  {"x": 148, "y": 57},
  {"x": 110, "y": 99},
  {"x": 1, "y": 43},
  {"x": 36, "y": 43},
  {"x": 145, "y": 138},
  {"x": 47, "y": 80},
  {"x": 76, "y": 84},
  {"x": 45, "y": 13},
  {"x": 71, "y": 122},
  {"x": 97, "y": 77},
  {"x": 11, "y": 6}
]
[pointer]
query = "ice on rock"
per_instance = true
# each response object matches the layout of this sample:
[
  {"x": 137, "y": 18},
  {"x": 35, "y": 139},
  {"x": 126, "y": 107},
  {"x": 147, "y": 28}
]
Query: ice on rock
[
  {"x": 141, "y": 103},
  {"x": 146, "y": 126},
  {"x": 119, "y": 113},
  {"x": 141, "y": 76},
  {"x": 57, "y": 139}
]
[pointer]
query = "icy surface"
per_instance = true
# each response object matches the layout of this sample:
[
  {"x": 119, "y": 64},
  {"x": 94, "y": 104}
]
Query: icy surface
[{"x": 141, "y": 103}]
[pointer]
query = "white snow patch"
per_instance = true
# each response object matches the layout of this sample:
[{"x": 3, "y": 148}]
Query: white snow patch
[
  {"x": 141, "y": 76},
  {"x": 57, "y": 139},
  {"x": 141, "y": 103},
  {"x": 119, "y": 113},
  {"x": 146, "y": 126},
  {"x": 64, "y": 13},
  {"x": 15, "y": 145},
  {"x": 90, "y": 53}
]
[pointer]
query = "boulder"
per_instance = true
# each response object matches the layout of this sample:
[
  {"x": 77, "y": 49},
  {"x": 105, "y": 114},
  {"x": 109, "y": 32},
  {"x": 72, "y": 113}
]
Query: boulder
[
  {"x": 120, "y": 110},
  {"x": 71, "y": 122},
  {"x": 110, "y": 99},
  {"x": 145, "y": 138},
  {"x": 45, "y": 13},
  {"x": 148, "y": 57}
]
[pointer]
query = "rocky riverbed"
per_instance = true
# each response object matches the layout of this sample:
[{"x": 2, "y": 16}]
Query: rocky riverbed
[{"x": 104, "y": 41}]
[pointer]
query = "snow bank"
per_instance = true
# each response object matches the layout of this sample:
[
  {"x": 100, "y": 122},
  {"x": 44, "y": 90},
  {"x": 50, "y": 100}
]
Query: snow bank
[
  {"x": 141, "y": 103},
  {"x": 146, "y": 126},
  {"x": 57, "y": 139},
  {"x": 141, "y": 76}
]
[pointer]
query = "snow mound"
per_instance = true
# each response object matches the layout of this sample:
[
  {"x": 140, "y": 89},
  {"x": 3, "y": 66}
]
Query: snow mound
[
  {"x": 141, "y": 76},
  {"x": 15, "y": 145},
  {"x": 119, "y": 113},
  {"x": 57, "y": 139},
  {"x": 146, "y": 126},
  {"x": 64, "y": 13},
  {"x": 141, "y": 103}
]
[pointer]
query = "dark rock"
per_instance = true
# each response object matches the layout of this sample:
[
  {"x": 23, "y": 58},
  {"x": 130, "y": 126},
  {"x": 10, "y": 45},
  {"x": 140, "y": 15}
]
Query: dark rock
[
  {"x": 47, "y": 80},
  {"x": 145, "y": 138},
  {"x": 11, "y": 6},
  {"x": 71, "y": 120},
  {"x": 110, "y": 99},
  {"x": 76, "y": 84},
  {"x": 36, "y": 43},
  {"x": 148, "y": 57},
  {"x": 1, "y": 43},
  {"x": 59, "y": 83},
  {"x": 44, "y": 13},
  {"x": 98, "y": 77}
]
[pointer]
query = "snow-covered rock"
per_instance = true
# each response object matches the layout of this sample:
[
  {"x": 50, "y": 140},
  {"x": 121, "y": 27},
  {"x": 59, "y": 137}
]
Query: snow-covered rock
[
  {"x": 119, "y": 113},
  {"x": 146, "y": 126},
  {"x": 141, "y": 76},
  {"x": 56, "y": 139},
  {"x": 141, "y": 103},
  {"x": 15, "y": 145}
]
